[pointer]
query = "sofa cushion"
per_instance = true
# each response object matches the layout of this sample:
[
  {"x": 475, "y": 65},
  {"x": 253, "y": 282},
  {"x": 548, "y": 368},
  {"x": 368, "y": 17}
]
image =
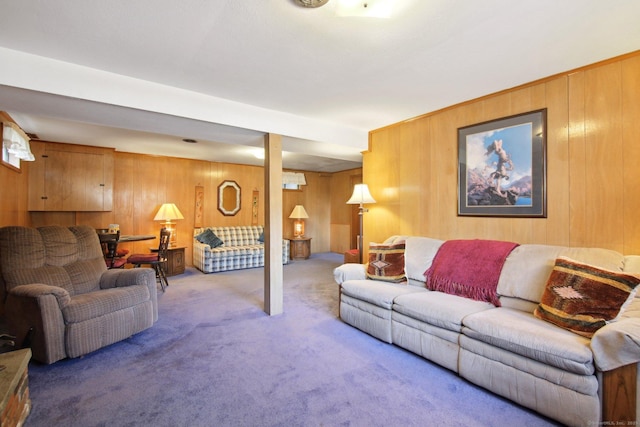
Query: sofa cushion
[
  {"x": 386, "y": 262},
  {"x": 583, "y": 298},
  {"x": 237, "y": 251},
  {"x": 95, "y": 304},
  {"x": 522, "y": 333},
  {"x": 377, "y": 293},
  {"x": 438, "y": 308}
]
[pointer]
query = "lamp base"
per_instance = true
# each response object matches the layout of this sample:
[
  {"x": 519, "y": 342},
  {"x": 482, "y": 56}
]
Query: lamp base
[
  {"x": 298, "y": 228},
  {"x": 173, "y": 239}
]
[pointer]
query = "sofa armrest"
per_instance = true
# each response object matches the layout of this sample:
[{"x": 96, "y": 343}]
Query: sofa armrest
[
  {"x": 119, "y": 277},
  {"x": 617, "y": 344},
  {"x": 34, "y": 312},
  {"x": 349, "y": 271}
]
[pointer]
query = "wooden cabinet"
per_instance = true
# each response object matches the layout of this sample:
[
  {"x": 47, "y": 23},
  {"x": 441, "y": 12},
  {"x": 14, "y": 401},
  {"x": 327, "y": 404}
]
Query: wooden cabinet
[
  {"x": 175, "y": 261},
  {"x": 300, "y": 248},
  {"x": 66, "y": 177}
]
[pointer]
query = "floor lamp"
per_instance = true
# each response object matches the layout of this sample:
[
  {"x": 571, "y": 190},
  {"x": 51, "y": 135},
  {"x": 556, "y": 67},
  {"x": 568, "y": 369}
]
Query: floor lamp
[{"x": 360, "y": 196}]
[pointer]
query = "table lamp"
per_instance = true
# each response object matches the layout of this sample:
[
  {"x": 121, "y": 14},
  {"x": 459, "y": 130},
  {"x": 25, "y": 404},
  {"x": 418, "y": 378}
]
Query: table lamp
[
  {"x": 360, "y": 196},
  {"x": 298, "y": 214},
  {"x": 167, "y": 213}
]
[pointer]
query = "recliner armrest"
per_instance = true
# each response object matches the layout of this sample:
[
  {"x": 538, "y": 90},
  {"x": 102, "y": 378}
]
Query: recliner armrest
[
  {"x": 118, "y": 278},
  {"x": 349, "y": 271},
  {"x": 35, "y": 290},
  {"x": 617, "y": 344},
  {"x": 37, "y": 308}
]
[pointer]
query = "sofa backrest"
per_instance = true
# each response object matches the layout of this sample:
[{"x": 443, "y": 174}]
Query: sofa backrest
[
  {"x": 235, "y": 235},
  {"x": 70, "y": 258},
  {"x": 418, "y": 256},
  {"x": 527, "y": 269}
]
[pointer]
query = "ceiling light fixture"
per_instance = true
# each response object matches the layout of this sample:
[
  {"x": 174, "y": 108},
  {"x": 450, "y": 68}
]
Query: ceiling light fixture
[{"x": 311, "y": 3}]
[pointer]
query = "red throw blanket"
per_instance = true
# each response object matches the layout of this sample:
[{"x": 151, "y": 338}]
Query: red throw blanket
[{"x": 469, "y": 268}]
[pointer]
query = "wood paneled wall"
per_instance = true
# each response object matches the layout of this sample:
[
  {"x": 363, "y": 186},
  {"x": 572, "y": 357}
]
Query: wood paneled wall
[
  {"x": 13, "y": 195},
  {"x": 344, "y": 224},
  {"x": 142, "y": 183},
  {"x": 316, "y": 199},
  {"x": 593, "y": 178}
]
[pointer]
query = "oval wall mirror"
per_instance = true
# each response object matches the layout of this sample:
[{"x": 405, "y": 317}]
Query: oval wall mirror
[{"x": 229, "y": 198}]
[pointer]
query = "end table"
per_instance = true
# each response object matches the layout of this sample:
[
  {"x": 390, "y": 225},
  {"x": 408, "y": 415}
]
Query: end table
[
  {"x": 175, "y": 260},
  {"x": 300, "y": 248}
]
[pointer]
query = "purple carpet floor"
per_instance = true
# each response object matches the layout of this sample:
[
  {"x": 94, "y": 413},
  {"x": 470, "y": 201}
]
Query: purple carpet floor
[{"x": 214, "y": 358}]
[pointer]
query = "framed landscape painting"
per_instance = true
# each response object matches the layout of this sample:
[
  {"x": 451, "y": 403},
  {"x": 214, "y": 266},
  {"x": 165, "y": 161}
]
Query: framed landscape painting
[{"x": 502, "y": 167}]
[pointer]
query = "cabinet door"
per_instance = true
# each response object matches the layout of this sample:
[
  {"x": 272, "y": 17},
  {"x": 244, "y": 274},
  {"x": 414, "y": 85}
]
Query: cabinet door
[
  {"x": 74, "y": 181},
  {"x": 62, "y": 179}
]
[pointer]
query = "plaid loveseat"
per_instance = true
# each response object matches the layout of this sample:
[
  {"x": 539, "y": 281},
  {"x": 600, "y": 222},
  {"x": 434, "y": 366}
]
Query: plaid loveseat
[{"x": 240, "y": 249}]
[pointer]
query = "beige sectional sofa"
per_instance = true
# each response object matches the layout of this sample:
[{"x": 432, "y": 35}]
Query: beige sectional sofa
[{"x": 506, "y": 349}]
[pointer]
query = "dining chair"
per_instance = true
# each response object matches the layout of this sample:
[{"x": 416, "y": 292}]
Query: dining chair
[
  {"x": 157, "y": 259},
  {"x": 112, "y": 257},
  {"x": 120, "y": 252}
]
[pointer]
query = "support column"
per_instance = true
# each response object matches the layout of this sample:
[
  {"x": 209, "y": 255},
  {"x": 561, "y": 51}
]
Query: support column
[{"x": 273, "y": 286}]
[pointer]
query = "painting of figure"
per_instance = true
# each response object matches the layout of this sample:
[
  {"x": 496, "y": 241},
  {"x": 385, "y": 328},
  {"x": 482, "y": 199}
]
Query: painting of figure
[
  {"x": 499, "y": 167},
  {"x": 502, "y": 167}
]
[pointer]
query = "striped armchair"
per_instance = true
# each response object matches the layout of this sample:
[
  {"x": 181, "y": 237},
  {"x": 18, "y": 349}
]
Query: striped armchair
[
  {"x": 59, "y": 295},
  {"x": 240, "y": 249}
]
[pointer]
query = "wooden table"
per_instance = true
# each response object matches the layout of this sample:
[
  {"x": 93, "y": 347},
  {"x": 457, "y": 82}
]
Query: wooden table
[
  {"x": 135, "y": 237},
  {"x": 300, "y": 248},
  {"x": 113, "y": 260}
]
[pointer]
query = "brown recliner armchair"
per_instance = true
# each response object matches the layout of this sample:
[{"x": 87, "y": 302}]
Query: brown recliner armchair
[{"x": 60, "y": 297}]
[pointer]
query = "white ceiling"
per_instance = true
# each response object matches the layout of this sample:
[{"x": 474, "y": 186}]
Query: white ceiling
[{"x": 141, "y": 75}]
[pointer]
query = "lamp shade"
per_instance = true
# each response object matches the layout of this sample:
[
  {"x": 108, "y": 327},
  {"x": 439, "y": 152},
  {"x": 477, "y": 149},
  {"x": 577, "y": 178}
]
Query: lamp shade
[
  {"x": 298, "y": 212},
  {"x": 168, "y": 212},
  {"x": 360, "y": 195}
]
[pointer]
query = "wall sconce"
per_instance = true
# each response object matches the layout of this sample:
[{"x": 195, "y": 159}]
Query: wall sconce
[
  {"x": 167, "y": 213},
  {"x": 298, "y": 214},
  {"x": 360, "y": 196}
]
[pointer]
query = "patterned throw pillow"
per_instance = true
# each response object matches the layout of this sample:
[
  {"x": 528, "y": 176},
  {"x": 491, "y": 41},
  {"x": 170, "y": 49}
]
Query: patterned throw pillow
[
  {"x": 208, "y": 237},
  {"x": 386, "y": 262},
  {"x": 200, "y": 237},
  {"x": 583, "y": 298}
]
